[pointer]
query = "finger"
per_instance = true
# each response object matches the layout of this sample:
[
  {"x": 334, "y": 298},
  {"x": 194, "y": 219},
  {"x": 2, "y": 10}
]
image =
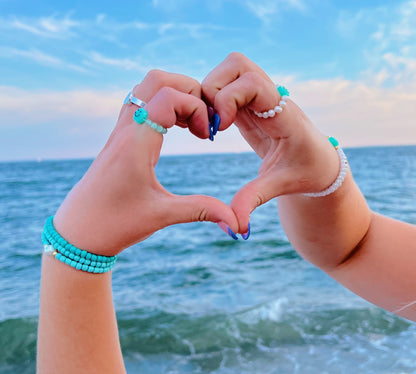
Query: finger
[
  {"x": 250, "y": 91},
  {"x": 156, "y": 79},
  {"x": 170, "y": 106},
  {"x": 234, "y": 65},
  {"x": 198, "y": 208},
  {"x": 252, "y": 195},
  {"x": 153, "y": 82}
]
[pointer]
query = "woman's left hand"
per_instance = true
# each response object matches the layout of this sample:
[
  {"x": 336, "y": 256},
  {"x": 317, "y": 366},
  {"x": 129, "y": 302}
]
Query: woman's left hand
[{"x": 119, "y": 201}]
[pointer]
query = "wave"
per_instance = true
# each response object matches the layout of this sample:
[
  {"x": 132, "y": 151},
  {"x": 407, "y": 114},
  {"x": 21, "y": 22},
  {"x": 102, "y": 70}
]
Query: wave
[{"x": 264, "y": 327}]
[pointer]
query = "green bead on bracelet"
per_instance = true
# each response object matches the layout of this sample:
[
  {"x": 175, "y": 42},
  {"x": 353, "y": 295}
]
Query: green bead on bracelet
[
  {"x": 55, "y": 245},
  {"x": 140, "y": 117}
]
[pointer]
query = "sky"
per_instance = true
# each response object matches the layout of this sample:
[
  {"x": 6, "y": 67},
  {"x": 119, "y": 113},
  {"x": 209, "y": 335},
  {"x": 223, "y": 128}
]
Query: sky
[{"x": 66, "y": 66}]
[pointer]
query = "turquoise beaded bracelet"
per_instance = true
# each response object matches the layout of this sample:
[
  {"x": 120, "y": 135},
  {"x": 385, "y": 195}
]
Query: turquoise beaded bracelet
[{"x": 55, "y": 245}]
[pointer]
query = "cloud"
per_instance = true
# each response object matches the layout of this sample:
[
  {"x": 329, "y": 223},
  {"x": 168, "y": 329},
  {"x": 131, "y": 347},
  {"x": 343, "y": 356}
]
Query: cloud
[
  {"x": 265, "y": 10},
  {"x": 48, "y": 27},
  {"x": 123, "y": 63},
  {"x": 40, "y": 57},
  {"x": 357, "y": 113},
  {"x": 386, "y": 35}
]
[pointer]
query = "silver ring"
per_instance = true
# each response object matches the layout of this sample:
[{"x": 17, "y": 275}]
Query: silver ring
[{"x": 130, "y": 99}]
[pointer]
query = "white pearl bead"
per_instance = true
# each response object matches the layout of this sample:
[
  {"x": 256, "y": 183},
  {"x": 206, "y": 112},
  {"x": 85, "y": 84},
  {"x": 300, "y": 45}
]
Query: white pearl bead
[
  {"x": 282, "y": 103},
  {"x": 278, "y": 109},
  {"x": 265, "y": 114},
  {"x": 271, "y": 113}
]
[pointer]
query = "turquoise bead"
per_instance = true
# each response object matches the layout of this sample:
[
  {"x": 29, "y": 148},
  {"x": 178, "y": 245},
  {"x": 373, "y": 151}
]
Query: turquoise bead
[
  {"x": 283, "y": 91},
  {"x": 140, "y": 115},
  {"x": 75, "y": 257},
  {"x": 334, "y": 142}
]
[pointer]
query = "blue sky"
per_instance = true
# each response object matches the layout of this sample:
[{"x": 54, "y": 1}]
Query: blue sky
[{"x": 65, "y": 66}]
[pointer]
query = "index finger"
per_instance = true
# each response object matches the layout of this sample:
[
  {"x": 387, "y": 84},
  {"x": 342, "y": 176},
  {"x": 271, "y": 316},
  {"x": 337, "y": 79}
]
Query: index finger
[
  {"x": 153, "y": 82},
  {"x": 234, "y": 65}
]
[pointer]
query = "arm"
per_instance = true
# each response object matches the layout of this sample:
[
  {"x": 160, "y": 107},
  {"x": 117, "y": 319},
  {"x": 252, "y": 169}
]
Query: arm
[
  {"x": 117, "y": 203},
  {"x": 372, "y": 255}
]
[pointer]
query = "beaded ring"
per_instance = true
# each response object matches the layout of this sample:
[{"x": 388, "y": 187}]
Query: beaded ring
[
  {"x": 130, "y": 99},
  {"x": 284, "y": 95},
  {"x": 55, "y": 245},
  {"x": 140, "y": 116},
  {"x": 342, "y": 172}
]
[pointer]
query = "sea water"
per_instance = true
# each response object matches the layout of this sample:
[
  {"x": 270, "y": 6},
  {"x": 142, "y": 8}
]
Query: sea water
[{"x": 191, "y": 300}]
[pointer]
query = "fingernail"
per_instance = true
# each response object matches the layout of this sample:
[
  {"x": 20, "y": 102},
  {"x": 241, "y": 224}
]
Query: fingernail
[
  {"x": 211, "y": 135},
  {"x": 211, "y": 113},
  {"x": 246, "y": 235},
  {"x": 224, "y": 227},
  {"x": 232, "y": 234},
  {"x": 216, "y": 123}
]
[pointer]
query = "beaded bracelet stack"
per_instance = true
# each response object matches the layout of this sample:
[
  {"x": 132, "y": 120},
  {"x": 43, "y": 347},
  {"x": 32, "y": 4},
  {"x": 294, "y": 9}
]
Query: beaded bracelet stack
[
  {"x": 342, "y": 172},
  {"x": 55, "y": 245},
  {"x": 284, "y": 95},
  {"x": 140, "y": 116}
]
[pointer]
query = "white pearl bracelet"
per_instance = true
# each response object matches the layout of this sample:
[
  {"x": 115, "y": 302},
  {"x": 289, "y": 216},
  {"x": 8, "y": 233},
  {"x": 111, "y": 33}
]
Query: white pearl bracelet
[{"x": 340, "y": 179}]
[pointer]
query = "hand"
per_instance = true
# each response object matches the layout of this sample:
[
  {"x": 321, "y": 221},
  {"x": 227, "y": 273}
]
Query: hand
[
  {"x": 119, "y": 201},
  {"x": 297, "y": 158}
]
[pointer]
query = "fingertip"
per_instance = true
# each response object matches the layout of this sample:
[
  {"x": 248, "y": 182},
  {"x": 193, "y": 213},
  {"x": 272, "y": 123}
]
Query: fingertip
[{"x": 246, "y": 235}]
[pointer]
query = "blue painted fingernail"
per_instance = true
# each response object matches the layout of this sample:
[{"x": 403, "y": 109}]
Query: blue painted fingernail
[
  {"x": 211, "y": 135},
  {"x": 246, "y": 235},
  {"x": 211, "y": 113},
  {"x": 232, "y": 234},
  {"x": 216, "y": 123}
]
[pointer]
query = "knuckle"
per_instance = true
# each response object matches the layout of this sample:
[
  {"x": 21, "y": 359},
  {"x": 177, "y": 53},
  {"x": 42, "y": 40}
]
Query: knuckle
[
  {"x": 236, "y": 58},
  {"x": 202, "y": 215},
  {"x": 166, "y": 92},
  {"x": 252, "y": 78},
  {"x": 156, "y": 75}
]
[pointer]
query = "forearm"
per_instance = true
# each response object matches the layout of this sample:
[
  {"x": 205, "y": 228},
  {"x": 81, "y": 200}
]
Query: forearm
[
  {"x": 77, "y": 324},
  {"x": 326, "y": 230},
  {"x": 370, "y": 254}
]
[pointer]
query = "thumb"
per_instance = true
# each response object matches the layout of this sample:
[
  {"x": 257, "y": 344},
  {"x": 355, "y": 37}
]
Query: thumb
[
  {"x": 194, "y": 208},
  {"x": 249, "y": 197}
]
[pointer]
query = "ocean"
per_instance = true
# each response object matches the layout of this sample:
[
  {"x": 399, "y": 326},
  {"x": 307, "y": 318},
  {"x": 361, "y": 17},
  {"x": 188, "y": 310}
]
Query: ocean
[{"x": 191, "y": 300}]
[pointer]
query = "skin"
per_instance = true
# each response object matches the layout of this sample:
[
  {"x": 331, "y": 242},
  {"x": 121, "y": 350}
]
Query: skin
[
  {"x": 119, "y": 202},
  {"x": 372, "y": 255}
]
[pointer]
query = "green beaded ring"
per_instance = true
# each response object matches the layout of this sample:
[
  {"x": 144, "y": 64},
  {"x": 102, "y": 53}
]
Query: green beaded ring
[
  {"x": 56, "y": 246},
  {"x": 140, "y": 117}
]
